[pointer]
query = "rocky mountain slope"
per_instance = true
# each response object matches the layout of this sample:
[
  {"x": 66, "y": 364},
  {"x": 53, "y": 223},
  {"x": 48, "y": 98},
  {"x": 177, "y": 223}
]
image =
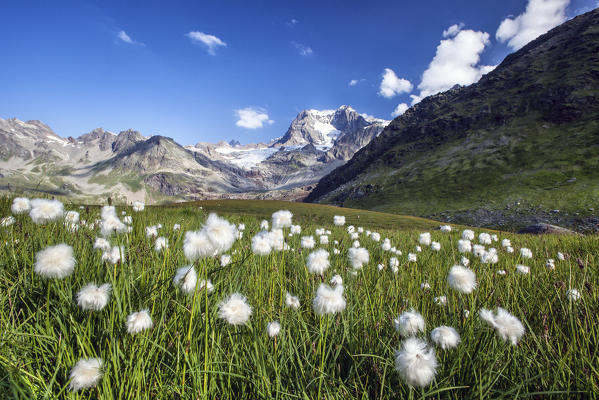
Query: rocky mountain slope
[
  {"x": 129, "y": 166},
  {"x": 520, "y": 145}
]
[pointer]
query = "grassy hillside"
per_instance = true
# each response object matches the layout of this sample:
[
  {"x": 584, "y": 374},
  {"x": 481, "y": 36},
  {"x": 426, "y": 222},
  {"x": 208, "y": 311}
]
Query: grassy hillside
[{"x": 521, "y": 143}]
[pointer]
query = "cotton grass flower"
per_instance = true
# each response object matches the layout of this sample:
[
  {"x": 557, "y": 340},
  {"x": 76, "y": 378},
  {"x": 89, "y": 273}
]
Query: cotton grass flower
[
  {"x": 489, "y": 257},
  {"x": 206, "y": 285},
  {"x": 416, "y": 362},
  {"x": 425, "y": 286},
  {"x": 522, "y": 269},
  {"x": 186, "y": 278},
  {"x": 324, "y": 239},
  {"x": 235, "y": 309},
  {"x": 94, "y": 298},
  {"x": 386, "y": 246},
  {"x": 465, "y": 261},
  {"x": 273, "y": 329},
  {"x": 277, "y": 240},
  {"x": 71, "y": 217},
  {"x": 282, "y": 219},
  {"x": 509, "y": 249},
  {"x": 525, "y": 253},
  {"x": 318, "y": 261},
  {"x": 435, "y": 246},
  {"x": 445, "y": 228},
  {"x": 461, "y": 279},
  {"x": 295, "y": 230},
  {"x": 358, "y": 257},
  {"x": 550, "y": 264},
  {"x": 87, "y": 373},
  {"x": 440, "y": 301},
  {"x": 445, "y": 337},
  {"x": 291, "y": 300},
  {"x": 560, "y": 256},
  {"x": 409, "y": 323},
  {"x": 225, "y": 260},
  {"x": 127, "y": 219},
  {"x": 55, "y": 261},
  {"x": 573, "y": 295},
  {"x": 196, "y": 244},
  {"x": 7, "y": 221},
  {"x": 114, "y": 255},
  {"x": 393, "y": 262},
  {"x": 308, "y": 242},
  {"x": 424, "y": 239},
  {"x": 139, "y": 321},
  {"x": 264, "y": 224},
  {"x": 101, "y": 244},
  {"x": 351, "y": 229},
  {"x": 328, "y": 300},
  {"x": 20, "y": 205},
  {"x": 412, "y": 257},
  {"x": 43, "y": 210},
  {"x": 160, "y": 244},
  {"x": 464, "y": 246},
  {"x": 468, "y": 234},
  {"x": 506, "y": 325},
  {"x": 501, "y": 272},
  {"x": 261, "y": 244},
  {"x": 336, "y": 280},
  {"x": 375, "y": 236},
  {"x": 339, "y": 220},
  {"x": 506, "y": 243},
  {"x": 484, "y": 238},
  {"x": 356, "y": 244},
  {"x": 138, "y": 206},
  {"x": 221, "y": 233}
]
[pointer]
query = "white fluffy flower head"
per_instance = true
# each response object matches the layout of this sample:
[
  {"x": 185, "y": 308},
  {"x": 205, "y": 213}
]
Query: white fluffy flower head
[
  {"x": 186, "y": 278},
  {"x": 329, "y": 300},
  {"x": 318, "y": 261},
  {"x": 273, "y": 329},
  {"x": 462, "y": 279},
  {"x": 339, "y": 220},
  {"x": 358, "y": 257},
  {"x": 235, "y": 309},
  {"x": 94, "y": 298},
  {"x": 416, "y": 362},
  {"x": 43, "y": 210},
  {"x": 20, "y": 205},
  {"x": 409, "y": 323},
  {"x": 55, "y": 261},
  {"x": 85, "y": 374},
  {"x": 506, "y": 325},
  {"x": 139, "y": 321},
  {"x": 282, "y": 219},
  {"x": 445, "y": 337}
]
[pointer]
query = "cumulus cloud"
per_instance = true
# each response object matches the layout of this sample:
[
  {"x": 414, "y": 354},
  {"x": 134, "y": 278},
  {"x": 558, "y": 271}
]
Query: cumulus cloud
[
  {"x": 292, "y": 22},
  {"x": 353, "y": 82},
  {"x": 456, "y": 62},
  {"x": 539, "y": 17},
  {"x": 453, "y": 30},
  {"x": 391, "y": 85},
  {"x": 122, "y": 35},
  {"x": 211, "y": 42},
  {"x": 400, "y": 109},
  {"x": 303, "y": 50},
  {"x": 252, "y": 118}
]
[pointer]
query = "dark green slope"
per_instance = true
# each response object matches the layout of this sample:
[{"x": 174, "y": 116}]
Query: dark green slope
[{"x": 511, "y": 149}]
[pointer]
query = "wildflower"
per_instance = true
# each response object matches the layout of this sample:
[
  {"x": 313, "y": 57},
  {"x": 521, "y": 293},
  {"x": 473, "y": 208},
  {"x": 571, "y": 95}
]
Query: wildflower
[
  {"x": 319, "y": 231},
  {"x": 445, "y": 337},
  {"x": 573, "y": 295},
  {"x": 264, "y": 225},
  {"x": 409, "y": 323},
  {"x": 464, "y": 246},
  {"x": 318, "y": 261},
  {"x": 197, "y": 245},
  {"x": 43, "y": 210},
  {"x": 351, "y": 229},
  {"x": 416, "y": 362},
  {"x": 506, "y": 243},
  {"x": 241, "y": 227},
  {"x": 186, "y": 278},
  {"x": 55, "y": 261},
  {"x": 506, "y": 325},
  {"x": 308, "y": 242},
  {"x": 360, "y": 229},
  {"x": 522, "y": 269},
  {"x": 386, "y": 246},
  {"x": 101, "y": 244},
  {"x": 465, "y": 261},
  {"x": 295, "y": 230},
  {"x": 225, "y": 260},
  {"x": 86, "y": 373},
  {"x": 161, "y": 244},
  {"x": 358, "y": 257},
  {"x": 114, "y": 255},
  {"x": 393, "y": 262},
  {"x": 462, "y": 279},
  {"x": 381, "y": 267},
  {"x": 445, "y": 228},
  {"x": 138, "y": 206},
  {"x": 412, "y": 257},
  {"x": 139, "y": 321},
  {"x": 356, "y": 244},
  {"x": 478, "y": 250},
  {"x": 71, "y": 217},
  {"x": 354, "y": 235},
  {"x": 220, "y": 232},
  {"x": 328, "y": 300},
  {"x": 468, "y": 234},
  {"x": 418, "y": 249},
  {"x": 7, "y": 221},
  {"x": 261, "y": 244},
  {"x": 440, "y": 301},
  {"x": 20, "y": 205},
  {"x": 273, "y": 329},
  {"x": 92, "y": 297},
  {"x": 525, "y": 253},
  {"x": 336, "y": 280},
  {"x": 489, "y": 257},
  {"x": 281, "y": 219},
  {"x": 375, "y": 236},
  {"x": 324, "y": 239},
  {"x": 336, "y": 251},
  {"x": 291, "y": 300},
  {"x": 425, "y": 239},
  {"x": 484, "y": 238},
  {"x": 435, "y": 246},
  {"x": 560, "y": 256},
  {"x": 235, "y": 309},
  {"x": 339, "y": 220}
]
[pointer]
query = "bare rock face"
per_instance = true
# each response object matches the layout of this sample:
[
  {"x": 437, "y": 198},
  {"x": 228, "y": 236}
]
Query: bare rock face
[{"x": 546, "y": 229}]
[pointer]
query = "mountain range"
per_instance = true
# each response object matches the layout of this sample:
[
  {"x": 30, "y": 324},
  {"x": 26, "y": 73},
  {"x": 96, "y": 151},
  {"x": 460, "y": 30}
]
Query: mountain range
[
  {"x": 518, "y": 147},
  {"x": 129, "y": 166}
]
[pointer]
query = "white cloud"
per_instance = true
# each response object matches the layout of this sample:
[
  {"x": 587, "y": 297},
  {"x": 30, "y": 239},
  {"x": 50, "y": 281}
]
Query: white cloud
[
  {"x": 353, "y": 82},
  {"x": 391, "y": 85},
  {"x": 456, "y": 62},
  {"x": 302, "y": 49},
  {"x": 400, "y": 109},
  {"x": 453, "y": 30},
  {"x": 210, "y": 41},
  {"x": 252, "y": 118},
  {"x": 539, "y": 17},
  {"x": 291, "y": 23},
  {"x": 122, "y": 35}
]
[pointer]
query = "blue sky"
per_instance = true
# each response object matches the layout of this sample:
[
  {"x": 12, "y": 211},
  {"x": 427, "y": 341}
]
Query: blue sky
[{"x": 145, "y": 65}]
